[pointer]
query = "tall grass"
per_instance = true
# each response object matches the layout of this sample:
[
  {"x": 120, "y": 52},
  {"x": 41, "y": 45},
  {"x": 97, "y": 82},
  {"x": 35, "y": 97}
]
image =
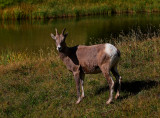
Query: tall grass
[
  {"x": 65, "y": 8},
  {"x": 39, "y": 85}
]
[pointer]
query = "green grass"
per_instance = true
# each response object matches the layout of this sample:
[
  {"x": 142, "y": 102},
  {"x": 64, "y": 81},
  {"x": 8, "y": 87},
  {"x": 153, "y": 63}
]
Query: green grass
[
  {"x": 39, "y": 85},
  {"x": 25, "y": 9}
]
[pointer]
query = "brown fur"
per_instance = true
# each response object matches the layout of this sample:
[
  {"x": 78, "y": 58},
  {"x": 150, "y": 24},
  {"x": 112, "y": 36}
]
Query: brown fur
[{"x": 81, "y": 60}]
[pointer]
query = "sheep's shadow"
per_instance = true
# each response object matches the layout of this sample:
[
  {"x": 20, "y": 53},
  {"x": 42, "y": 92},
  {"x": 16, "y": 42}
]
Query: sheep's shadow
[{"x": 130, "y": 87}]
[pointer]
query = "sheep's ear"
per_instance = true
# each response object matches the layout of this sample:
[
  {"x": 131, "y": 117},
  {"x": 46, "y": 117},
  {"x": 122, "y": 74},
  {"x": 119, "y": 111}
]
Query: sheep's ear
[{"x": 53, "y": 37}]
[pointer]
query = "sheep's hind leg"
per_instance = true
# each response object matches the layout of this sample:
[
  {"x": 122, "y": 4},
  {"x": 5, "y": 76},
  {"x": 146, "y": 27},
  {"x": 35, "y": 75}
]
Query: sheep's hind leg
[
  {"x": 111, "y": 86},
  {"x": 105, "y": 71},
  {"x": 118, "y": 80}
]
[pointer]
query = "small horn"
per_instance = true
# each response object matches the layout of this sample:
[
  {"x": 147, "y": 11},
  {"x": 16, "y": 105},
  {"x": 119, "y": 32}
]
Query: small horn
[
  {"x": 63, "y": 31},
  {"x": 56, "y": 31}
]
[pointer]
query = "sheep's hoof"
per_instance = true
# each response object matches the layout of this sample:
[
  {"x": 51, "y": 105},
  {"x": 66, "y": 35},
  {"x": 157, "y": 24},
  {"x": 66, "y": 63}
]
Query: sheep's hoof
[
  {"x": 78, "y": 101},
  {"x": 108, "y": 102},
  {"x": 116, "y": 96}
]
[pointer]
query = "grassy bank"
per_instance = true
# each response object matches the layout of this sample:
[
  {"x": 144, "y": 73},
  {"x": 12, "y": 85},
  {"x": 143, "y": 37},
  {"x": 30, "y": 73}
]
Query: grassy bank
[
  {"x": 39, "y": 85},
  {"x": 19, "y": 9}
]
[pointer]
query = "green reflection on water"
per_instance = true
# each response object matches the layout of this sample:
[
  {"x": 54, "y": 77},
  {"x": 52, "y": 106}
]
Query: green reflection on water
[{"x": 34, "y": 35}]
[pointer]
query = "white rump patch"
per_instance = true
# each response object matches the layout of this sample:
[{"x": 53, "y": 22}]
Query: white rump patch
[{"x": 111, "y": 51}]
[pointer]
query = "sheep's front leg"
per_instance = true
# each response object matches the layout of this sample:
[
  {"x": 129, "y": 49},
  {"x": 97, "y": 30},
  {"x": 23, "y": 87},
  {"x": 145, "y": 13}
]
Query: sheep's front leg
[
  {"x": 82, "y": 84},
  {"x": 77, "y": 80}
]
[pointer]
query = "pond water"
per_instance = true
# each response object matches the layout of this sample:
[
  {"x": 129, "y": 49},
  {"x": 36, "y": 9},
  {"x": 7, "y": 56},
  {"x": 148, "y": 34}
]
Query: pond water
[{"x": 35, "y": 35}]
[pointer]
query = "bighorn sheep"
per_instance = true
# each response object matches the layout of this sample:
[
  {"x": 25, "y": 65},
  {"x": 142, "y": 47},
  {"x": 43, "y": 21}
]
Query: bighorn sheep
[{"x": 81, "y": 60}]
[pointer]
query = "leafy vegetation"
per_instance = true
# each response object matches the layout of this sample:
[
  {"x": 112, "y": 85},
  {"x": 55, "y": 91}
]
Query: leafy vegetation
[
  {"x": 64, "y": 8},
  {"x": 39, "y": 85}
]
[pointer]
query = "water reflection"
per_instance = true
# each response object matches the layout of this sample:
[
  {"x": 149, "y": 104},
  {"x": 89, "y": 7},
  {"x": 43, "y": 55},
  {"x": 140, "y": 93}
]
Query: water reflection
[{"x": 34, "y": 35}]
